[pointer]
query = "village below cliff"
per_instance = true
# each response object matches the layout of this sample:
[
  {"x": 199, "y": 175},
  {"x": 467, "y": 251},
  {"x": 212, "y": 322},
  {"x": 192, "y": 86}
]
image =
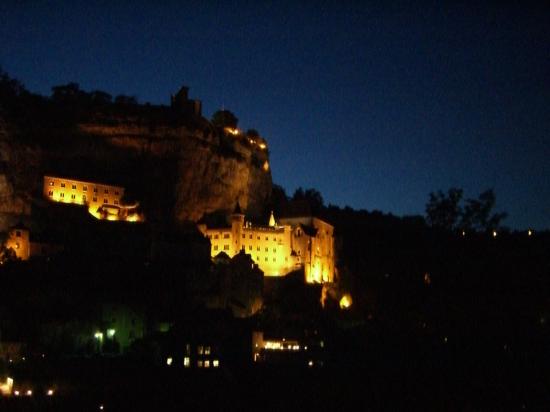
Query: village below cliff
[{"x": 146, "y": 248}]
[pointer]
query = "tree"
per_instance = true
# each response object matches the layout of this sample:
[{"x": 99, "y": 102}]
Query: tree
[
  {"x": 443, "y": 210},
  {"x": 311, "y": 196},
  {"x": 449, "y": 212},
  {"x": 224, "y": 118}
]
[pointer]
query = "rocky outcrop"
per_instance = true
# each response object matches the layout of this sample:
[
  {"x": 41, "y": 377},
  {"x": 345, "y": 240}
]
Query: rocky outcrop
[
  {"x": 14, "y": 196},
  {"x": 177, "y": 172}
]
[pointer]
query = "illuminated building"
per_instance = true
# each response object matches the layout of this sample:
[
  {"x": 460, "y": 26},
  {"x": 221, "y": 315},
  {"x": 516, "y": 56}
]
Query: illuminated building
[
  {"x": 103, "y": 201},
  {"x": 279, "y": 247}
]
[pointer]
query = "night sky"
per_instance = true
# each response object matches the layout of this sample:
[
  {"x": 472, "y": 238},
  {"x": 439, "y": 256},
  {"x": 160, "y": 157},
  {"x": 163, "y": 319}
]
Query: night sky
[{"x": 373, "y": 106}]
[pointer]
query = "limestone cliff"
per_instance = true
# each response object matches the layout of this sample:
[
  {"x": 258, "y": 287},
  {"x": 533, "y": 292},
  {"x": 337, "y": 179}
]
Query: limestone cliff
[{"x": 179, "y": 171}]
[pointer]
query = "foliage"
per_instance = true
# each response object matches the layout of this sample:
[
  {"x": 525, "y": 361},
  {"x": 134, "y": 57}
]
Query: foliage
[
  {"x": 224, "y": 118},
  {"x": 312, "y": 197},
  {"x": 450, "y": 212}
]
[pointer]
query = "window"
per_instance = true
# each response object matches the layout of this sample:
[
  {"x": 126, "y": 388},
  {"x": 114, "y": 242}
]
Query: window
[
  {"x": 62, "y": 184},
  {"x": 73, "y": 187},
  {"x": 50, "y": 193},
  {"x": 225, "y": 247},
  {"x": 84, "y": 188}
]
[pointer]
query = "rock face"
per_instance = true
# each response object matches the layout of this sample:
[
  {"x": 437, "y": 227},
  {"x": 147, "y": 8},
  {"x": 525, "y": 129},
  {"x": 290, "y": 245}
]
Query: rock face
[
  {"x": 14, "y": 196},
  {"x": 177, "y": 172}
]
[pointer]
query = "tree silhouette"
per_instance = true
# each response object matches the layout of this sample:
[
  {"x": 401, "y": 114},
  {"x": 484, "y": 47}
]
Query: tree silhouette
[
  {"x": 449, "y": 212},
  {"x": 224, "y": 118}
]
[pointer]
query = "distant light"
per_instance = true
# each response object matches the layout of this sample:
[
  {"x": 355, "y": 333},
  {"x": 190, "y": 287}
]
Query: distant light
[
  {"x": 345, "y": 301},
  {"x": 169, "y": 361},
  {"x": 111, "y": 332}
]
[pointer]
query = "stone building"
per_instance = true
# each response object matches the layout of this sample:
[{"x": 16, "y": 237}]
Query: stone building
[
  {"x": 103, "y": 201},
  {"x": 279, "y": 248}
]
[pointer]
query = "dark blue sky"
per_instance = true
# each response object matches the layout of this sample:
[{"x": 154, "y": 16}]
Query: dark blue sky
[{"x": 373, "y": 106}]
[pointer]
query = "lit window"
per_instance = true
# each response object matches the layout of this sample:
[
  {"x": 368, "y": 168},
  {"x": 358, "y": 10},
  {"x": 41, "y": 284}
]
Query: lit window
[
  {"x": 51, "y": 183},
  {"x": 73, "y": 187},
  {"x": 62, "y": 184},
  {"x": 84, "y": 188},
  {"x": 225, "y": 247}
]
